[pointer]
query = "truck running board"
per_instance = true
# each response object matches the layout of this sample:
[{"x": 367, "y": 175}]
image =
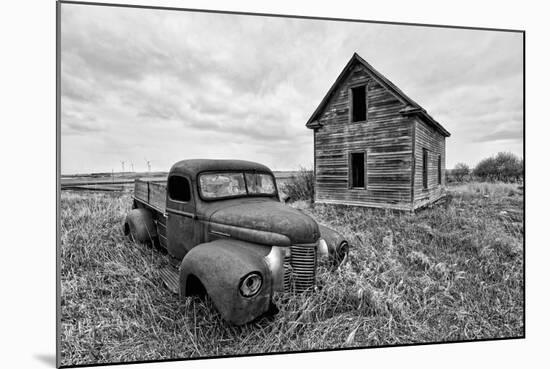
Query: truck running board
[{"x": 170, "y": 277}]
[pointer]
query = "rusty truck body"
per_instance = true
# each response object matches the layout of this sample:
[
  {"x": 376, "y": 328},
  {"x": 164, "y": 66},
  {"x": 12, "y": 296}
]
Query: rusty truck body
[{"x": 230, "y": 236}]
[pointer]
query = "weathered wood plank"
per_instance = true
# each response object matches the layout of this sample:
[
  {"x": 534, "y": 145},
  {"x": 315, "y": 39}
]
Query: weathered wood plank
[
  {"x": 386, "y": 137},
  {"x": 390, "y": 141},
  {"x": 152, "y": 193},
  {"x": 429, "y": 138}
]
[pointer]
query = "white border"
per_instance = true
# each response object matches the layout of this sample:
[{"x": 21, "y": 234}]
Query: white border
[{"x": 28, "y": 185}]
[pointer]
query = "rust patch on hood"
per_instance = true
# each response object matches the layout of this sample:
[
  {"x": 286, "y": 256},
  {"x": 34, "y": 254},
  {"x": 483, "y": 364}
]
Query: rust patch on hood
[{"x": 267, "y": 221}]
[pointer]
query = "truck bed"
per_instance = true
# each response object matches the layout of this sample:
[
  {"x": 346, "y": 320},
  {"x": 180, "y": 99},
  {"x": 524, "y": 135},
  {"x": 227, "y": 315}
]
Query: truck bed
[{"x": 151, "y": 191}]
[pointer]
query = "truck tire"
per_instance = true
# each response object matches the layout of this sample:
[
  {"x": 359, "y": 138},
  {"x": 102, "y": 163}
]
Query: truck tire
[
  {"x": 341, "y": 254},
  {"x": 140, "y": 227}
]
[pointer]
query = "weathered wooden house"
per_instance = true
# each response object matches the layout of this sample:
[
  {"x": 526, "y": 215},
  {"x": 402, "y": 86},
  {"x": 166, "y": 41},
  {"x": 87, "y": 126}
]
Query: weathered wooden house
[{"x": 374, "y": 146}]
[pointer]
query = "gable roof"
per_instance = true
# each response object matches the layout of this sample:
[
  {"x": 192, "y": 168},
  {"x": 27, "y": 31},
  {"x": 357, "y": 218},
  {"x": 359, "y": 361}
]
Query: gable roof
[{"x": 412, "y": 107}]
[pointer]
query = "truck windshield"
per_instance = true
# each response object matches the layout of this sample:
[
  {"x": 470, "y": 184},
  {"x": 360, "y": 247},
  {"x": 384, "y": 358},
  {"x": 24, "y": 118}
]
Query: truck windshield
[{"x": 232, "y": 184}]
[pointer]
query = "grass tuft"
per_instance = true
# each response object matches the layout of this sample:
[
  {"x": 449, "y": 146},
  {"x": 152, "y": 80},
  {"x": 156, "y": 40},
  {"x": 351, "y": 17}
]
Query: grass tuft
[{"x": 300, "y": 186}]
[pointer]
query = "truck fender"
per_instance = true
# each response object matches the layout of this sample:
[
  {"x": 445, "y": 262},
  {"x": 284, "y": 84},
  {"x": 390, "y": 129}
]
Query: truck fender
[
  {"x": 140, "y": 227},
  {"x": 333, "y": 246},
  {"x": 220, "y": 266}
]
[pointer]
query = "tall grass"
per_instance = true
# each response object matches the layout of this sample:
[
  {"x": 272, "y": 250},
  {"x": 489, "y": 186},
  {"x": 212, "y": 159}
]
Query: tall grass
[
  {"x": 300, "y": 186},
  {"x": 493, "y": 189},
  {"x": 446, "y": 273}
]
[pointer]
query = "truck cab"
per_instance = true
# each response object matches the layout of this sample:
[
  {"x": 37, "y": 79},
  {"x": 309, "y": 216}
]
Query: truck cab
[{"x": 230, "y": 235}]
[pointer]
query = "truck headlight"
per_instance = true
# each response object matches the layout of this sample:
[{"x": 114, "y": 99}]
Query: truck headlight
[
  {"x": 322, "y": 248},
  {"x": 251, "y": 284}
]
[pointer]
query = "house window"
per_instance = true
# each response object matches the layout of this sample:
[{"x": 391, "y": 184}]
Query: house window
[
  {"x": 359, "y": 104},
  {"x": 425, "y": 168},
  {"x": 357, "y": 169},
  {"x": 439, "y": 169},
  {"x": 179, "y": 189}
]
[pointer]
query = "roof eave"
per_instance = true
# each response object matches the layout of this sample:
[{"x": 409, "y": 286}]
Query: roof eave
[
  {"x": 314, "y": 124},
  {"x": 424, "y": 115}
]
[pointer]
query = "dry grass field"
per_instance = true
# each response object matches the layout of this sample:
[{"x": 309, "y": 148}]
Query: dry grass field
[{"x": 450, "y": 272}]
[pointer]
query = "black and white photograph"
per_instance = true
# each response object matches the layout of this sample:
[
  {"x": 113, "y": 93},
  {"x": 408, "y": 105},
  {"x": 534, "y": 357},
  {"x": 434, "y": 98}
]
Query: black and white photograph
[{"x": 235, "y": 184}]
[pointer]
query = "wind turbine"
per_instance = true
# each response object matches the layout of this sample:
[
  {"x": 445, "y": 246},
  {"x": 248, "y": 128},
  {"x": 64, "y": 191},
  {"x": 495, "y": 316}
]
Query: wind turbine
[
  {"x": 132, "y": 165},
  {"x": 148, "y": 164},
  {"x": 122, "y": 162}
]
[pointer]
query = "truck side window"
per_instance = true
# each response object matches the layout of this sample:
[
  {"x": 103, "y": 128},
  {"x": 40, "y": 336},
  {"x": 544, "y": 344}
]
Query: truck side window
[{"x": 179, "y": 189}]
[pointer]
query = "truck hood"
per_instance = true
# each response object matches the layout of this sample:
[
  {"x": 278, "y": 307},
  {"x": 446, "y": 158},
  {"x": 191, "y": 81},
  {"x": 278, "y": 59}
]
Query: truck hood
[{"x": 266, "y": 222}]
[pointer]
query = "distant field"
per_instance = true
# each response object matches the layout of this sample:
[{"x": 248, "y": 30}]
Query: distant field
[
  {"x": 125, "y": 181},
  {"x": 450, "y": 272}
]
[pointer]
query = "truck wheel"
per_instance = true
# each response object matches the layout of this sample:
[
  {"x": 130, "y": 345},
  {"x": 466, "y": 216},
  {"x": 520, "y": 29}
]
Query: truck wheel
[
  {"x": 341, "y": 254},
  {"x": 139, "y": 226}
]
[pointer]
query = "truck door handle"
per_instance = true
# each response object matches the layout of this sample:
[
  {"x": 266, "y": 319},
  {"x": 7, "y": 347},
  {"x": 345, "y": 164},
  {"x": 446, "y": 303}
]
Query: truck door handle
[{"x": 182, "y": 213}]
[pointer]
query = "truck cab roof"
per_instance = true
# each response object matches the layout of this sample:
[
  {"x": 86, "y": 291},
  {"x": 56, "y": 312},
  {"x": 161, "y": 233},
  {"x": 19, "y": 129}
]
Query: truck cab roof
[{"x": 192, "y": 167}]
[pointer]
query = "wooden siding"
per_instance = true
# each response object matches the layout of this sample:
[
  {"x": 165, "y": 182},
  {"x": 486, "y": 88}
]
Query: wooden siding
[
  {"x": 428, "y": 138},
  {"x": 152, "y": 193},
  {"x": 386, "y": 137}
]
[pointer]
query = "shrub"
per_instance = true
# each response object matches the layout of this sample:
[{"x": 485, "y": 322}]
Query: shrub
[
  {"x": 300, "y": 186},
  {"x": 509, "y": 166},
  {"x": 449, "y": 176},
  {"x": 460, "y": 171},
  {"x": 486, "y": 169},
  {"x": 505, "y": 167}
]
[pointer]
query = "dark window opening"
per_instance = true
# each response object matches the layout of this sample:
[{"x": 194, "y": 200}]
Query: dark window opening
[
  {"x": 359, "y": 104},
  {"x": 179, "y": 189},
  {"x": 358, "y": 169},
  {"x": 439, "y": 169},
  {"x": 425, "y": 168}
]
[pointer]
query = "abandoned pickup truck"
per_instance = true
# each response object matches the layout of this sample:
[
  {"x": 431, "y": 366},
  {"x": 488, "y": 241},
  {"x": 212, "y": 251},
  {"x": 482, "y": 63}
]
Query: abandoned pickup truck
[{"x": 230, "y": 236}]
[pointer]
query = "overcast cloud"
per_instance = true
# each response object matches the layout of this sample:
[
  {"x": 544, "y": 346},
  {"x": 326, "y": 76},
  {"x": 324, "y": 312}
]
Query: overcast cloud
[{"x": 169, "y": 85}]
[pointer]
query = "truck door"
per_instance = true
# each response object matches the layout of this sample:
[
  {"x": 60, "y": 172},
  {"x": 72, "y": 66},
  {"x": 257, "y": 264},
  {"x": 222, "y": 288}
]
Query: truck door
[{"x": 180, "y": 216}]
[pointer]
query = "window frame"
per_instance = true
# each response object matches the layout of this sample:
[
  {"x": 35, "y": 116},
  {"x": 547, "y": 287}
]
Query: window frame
[
  {"x": 247, "y": 172},
  {"x": 425, "y": 168},
  {"x": 351, "y": 105},
  {"x": 245, "y": 195},
  {"x": 170, "y": 193},
  {"x": 350, "y": 169}
]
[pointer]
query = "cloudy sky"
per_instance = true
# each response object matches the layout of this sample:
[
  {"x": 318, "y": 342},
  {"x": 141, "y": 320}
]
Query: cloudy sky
[{"x": 142, "y": 84}]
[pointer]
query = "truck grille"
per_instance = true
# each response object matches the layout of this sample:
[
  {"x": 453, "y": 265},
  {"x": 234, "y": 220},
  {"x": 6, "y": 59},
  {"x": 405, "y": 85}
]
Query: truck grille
[{"x": 300, "y": 267}]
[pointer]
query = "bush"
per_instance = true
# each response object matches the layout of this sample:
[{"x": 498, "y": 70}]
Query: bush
[
  {"x": 504, "y": 167},
  {"x": 300, "y": 186},
  {"x": 449, "y": 176},
  {"x": 460, "y": 171},
  {"x": 509, "y": 167},
  {"x": 486, "y": 169}
]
